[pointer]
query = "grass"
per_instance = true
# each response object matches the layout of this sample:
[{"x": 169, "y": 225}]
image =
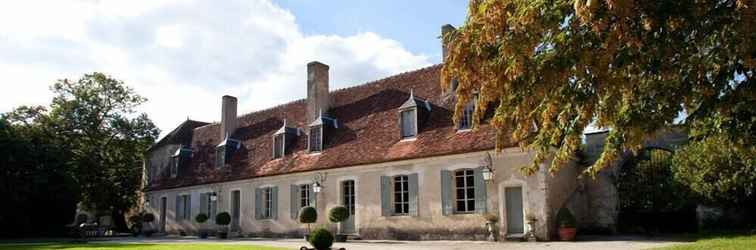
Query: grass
[
  {"x": 718, "y": 241},
  {"x": 116, "y": 246}
]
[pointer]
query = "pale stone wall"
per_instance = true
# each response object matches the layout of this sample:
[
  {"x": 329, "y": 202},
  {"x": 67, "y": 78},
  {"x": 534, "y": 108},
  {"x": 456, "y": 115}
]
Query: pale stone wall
[{"x": 429, "y": 224}]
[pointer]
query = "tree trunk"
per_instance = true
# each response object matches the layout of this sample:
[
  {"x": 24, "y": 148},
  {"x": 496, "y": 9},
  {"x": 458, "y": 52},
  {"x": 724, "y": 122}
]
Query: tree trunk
[{"x": 119, "y": 221}]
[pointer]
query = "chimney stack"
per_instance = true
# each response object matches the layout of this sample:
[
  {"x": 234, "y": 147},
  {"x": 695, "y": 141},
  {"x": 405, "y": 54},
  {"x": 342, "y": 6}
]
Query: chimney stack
[
  {"x": 228, "y": 116},
  {"x": 444, "y": 31},
  {"x": 317, "y": 90}
]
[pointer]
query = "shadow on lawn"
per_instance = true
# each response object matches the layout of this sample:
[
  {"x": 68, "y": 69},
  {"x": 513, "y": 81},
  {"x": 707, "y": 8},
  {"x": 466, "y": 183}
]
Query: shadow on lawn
[{"x": 50, "y": 246}]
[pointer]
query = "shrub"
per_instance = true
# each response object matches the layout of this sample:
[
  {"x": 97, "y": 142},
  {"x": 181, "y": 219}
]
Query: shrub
[
  {"x": 308, "y": 215},
  {"x": 136, "y": 219},
  {"x": 565, "y": 218},
  {"x": 201, "y": 218},
  {"x": 338, "y": 214},
  {"x": 321, "y": 239},
  {"x": 223, "y": 219},
  {"x": 148, "y": 217}
]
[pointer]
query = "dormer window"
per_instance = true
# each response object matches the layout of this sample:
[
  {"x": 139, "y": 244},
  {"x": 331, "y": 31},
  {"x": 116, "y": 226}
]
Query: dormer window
[
  {"x": 466, "y": 120},
  {"x": 409, "y": 113},
  {"x": 318, "y": 132},
  {"x": 282, "y": 139},
  {"x": 225, "y": 150},
  {"x": 179, "y": 159}
]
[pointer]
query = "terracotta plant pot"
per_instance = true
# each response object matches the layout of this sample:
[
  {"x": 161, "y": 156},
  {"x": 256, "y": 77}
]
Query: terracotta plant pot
[{"x": 567, "y": 233}]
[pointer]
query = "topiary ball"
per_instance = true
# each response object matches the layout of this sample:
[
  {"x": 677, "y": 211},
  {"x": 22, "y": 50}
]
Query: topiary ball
[
  {"x": 201, "y": 218},
  {"x": 308, "y": 215},
  {"x": 338, "y": 214},
  {"x": 223, "y": 219},
  {"x": 148, "y": 217},
  {"x": 321, "y": 239},
  {"x": 565, "y": 218}
]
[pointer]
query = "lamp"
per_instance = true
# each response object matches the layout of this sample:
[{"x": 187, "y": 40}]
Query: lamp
[
  {"x": 318, "y": 179},
  {"x": 316, "y": 187},
  {"x": 487, "y": 170},
  {"x": 213, "y": 197},
  {"x": 147, "y": 202}
]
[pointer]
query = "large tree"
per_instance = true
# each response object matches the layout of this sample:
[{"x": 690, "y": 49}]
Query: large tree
[
  {"x": 555, "y": 67},
  {"x": 93, "y": 123},
  {"x": 97, "y": 116}
]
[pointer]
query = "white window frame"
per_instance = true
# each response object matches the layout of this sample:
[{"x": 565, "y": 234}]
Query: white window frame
[
  {"x": 414, "y": 125},
  {"x": 318, "y": 147},
  {"x": 466, "y": 186},
  {"x": 279, "y": 152},
  {"x": 267, "y": 200},
  {"x": 403, "y": 193},
  {"x": 304, "y": 195}
]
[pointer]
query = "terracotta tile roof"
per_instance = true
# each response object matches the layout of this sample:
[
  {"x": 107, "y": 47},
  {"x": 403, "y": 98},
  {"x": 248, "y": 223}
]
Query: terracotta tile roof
[
  {"x": 368, "y": 132},
  {"x": 180, "y": 135}
]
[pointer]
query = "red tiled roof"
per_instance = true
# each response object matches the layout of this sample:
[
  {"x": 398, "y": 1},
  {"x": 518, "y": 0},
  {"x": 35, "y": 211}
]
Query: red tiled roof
[{"x": 368, "y": 132}]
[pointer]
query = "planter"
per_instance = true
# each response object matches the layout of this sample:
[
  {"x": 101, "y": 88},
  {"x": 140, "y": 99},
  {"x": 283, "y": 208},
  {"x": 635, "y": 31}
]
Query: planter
[
  {"x": 340, "y": 238},
  {"x": 567, "y": 233}
]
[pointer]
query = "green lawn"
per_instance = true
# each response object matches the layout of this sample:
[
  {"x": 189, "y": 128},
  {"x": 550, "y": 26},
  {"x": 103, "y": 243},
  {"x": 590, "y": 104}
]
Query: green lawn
[
  {"x": 113, "y": 246},
  {"x": 729, "y": 242}
]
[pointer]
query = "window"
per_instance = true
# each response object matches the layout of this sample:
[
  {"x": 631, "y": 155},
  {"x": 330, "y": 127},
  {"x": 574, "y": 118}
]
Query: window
[
  {"x": 401, "y": 195},
  {"x": 465, "y": 191},
  {"x": 465, "y": 122},
  {"x": 175, "y": 162},
  {"x": 316, "y": 138},
  {"x": 278, "y": 146},
  {"x": 348, "y": 189},
  {"x": 304, "y": 195},
  {"x": 267, "y": 208},
  {"x": 183, "y": 207},
  {"x": 220, "y": 156},
  {"x": 208, "y": 206},
  {"x": 408, "y": 123}
]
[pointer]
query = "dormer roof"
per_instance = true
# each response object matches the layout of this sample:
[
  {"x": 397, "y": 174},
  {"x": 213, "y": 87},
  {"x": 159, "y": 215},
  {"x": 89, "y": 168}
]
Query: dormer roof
[
  {"x": 413, "y": 102},
  {"x": 323, "y": 119}
]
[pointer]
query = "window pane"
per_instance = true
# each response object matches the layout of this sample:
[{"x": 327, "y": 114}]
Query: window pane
[
  {"x": 470, "y": 205},
  {"x": 470, "y": 180},
  {"x": 471, "y": 193},
  {"x": 408, "y": 123},
  {"x": 461, "y": 206},
  {"x": 406, "y": 208},
  {"x": 460, "y": 181},
  {"x": 460, "y": 193}
]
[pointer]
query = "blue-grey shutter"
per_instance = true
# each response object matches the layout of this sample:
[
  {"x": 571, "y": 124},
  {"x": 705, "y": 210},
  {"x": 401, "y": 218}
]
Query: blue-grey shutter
[
  {"x": 480, "y": 191},
  {"x": 313, "y": 197},
  {"x": 203, "y": 204},
  {"x": 385, "y": 196},
  {"x": 188, "y": 207},
  {"x": 258, "y": 200},
  {"x": 293, "y": 201},
  {"x": 413, "y": 185},
  {"x": 446, "y": 198},
  {"x": 178, "y": 208},
  {"x": 274, "y": 203}
]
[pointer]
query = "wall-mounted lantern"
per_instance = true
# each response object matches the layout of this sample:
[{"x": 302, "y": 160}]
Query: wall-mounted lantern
[
  {"x": 487, "y": 171},
  {"x": 318, "y": 180}
]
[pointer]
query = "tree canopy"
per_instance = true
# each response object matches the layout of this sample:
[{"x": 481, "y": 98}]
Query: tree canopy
[
  {"x": 93, "y": 123},
  {"x": 555, "y": 67}
]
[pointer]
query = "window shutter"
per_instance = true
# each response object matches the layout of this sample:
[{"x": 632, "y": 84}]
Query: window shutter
[
  {"x": 446, "y": 198},
  {"x": 294, "y": 201},
  {"x": 480, "y": 191},
  {"x": 413, "y": 194},
  {"x": 258, "y": 200},
  {"x": 188, "y": 211},
  {"x": 203, "y": 204},
  {"x": 274, "y": 203},
  {"x": 179, "y": 208},
  {"x": 313, "y": 198},
  {"x": 385, "y": 196}
]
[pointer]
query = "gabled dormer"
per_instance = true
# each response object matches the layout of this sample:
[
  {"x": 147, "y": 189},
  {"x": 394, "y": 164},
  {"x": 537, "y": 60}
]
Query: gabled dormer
[
  {"x": 179, "y": 159},
  {"x": 282, "y": 139},
  {"x": 225, "y": 150},
  {"x": 409, "y": 114},
  {"x": 318, "y": 132}
]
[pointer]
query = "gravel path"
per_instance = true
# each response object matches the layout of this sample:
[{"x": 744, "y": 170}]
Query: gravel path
[{"x": 603, "y": 243}]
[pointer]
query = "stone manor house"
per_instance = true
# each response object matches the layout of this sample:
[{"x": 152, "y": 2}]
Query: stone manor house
[{"x": 387, "y": 150}]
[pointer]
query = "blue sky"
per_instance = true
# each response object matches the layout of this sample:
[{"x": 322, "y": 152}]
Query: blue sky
[
  {"x": 416, "y": 23},
  {"x": 183, "y": 55}
]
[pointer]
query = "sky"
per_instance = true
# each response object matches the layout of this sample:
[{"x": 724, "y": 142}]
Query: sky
[{"x": 184, "y": 55}]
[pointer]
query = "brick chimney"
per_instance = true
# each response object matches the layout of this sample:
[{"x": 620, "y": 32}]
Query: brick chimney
[
  {"x": 445, "y": 30},
  {"x": 317, "y": 90},
  {"x": 228, "y": 116}
]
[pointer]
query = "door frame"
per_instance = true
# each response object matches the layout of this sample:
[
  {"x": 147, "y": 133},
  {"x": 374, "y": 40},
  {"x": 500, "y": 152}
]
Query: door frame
[
  {"x": 231, "y": 206},
  {"x": 512, "y": 182},
  {"x": 355, "y": 218},
  {"x": 163, "y": 212}
]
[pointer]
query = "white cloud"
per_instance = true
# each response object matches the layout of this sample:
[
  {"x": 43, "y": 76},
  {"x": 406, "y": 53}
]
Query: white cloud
[{"x": 181, "y": 55}]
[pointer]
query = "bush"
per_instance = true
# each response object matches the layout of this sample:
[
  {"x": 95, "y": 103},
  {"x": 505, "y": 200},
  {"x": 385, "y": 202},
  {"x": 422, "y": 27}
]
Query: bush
[
  {"x": 201, "y": 218},
  {"x": 565, "y": 218},
  {"x": 338, "y": 214},
  {"x": 308, "y": 215},
  {"x": 321, "y": 239},
  {"x": 148, "y": 217},
  {"x": 223, "y": 219}
]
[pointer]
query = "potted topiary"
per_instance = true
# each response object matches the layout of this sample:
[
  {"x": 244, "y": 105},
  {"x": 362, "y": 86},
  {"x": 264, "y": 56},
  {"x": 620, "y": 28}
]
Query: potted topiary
[
  {"x": 201, "y": 219},
  {"x": 148, "y": 218},
  {"x": 222, "y": 220},
  {"x": 567, "y": 223},
  {"x": 338, "y": 214},
  {"x": 321, "y": 239},
  {"x": 491, "y": 220},
  {"x": 308, "y": 215}
]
